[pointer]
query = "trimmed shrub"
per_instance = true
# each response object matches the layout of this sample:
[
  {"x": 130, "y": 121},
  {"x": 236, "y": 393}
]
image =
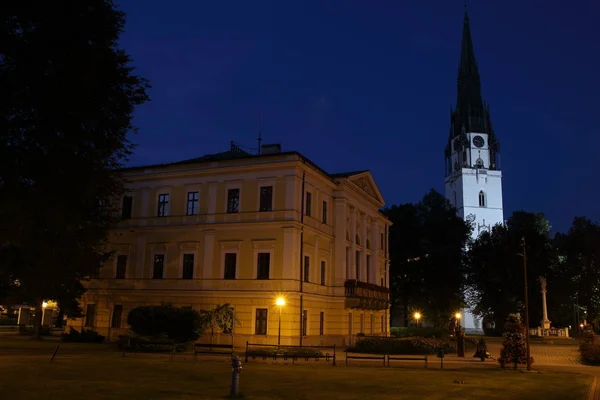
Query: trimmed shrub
[
  {"x": 179, "y": 325},
  {"x": 410, "y": 331},
  {"x": 291, "y": 351},
  {"x": 85, "y": 336},
  {"x": 408, "y": 345},
  {"x": 145, "y": 344},
  {"x": 590, "y": 353}
]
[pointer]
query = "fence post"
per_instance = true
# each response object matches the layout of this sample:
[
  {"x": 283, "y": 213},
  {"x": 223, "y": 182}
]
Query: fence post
[
  {"x": 246, "y": 355},
  {"x": 333, "y": 355},
  {"x": 384, "y": 357},
  {"x": 426, "y": 362}
]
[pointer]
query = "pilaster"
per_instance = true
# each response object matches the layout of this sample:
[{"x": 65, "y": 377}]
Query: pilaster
[
  {"x": 212, "y": 201},
  {"x": 291, "y": 247},
  {"x": 209, "y": 270},
  {"x": 363, "y": 242},
  {"x": 352, "y": 258},
  {"x": 339, "y": 276}
]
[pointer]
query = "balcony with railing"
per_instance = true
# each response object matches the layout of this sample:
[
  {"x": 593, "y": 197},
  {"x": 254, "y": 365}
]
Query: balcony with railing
[{"x": 367, "y": 296}]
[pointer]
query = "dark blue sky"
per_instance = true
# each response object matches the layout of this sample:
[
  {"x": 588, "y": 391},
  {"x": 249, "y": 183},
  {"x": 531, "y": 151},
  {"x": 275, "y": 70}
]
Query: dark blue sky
[{"x": 356, "y": 84}]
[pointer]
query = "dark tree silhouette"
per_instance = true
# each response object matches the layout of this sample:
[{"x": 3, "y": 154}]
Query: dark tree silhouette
[{"x": 68, "y": 94}]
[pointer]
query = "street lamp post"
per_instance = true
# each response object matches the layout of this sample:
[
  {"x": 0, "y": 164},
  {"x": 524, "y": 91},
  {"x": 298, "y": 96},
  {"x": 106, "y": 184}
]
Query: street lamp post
[
  {"x": 280, "y": 302},
  {"x": 417, "y": 317},
  {"x": 526, "y": 304}
]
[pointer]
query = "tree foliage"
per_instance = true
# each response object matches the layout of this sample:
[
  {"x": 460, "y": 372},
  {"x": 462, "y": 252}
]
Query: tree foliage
[
  {"x": 175, "y": 323},
  {"x": 427, "y": 249},
  {"x": 221, "y": 318},
  {"x": 68, "y": 94},
  {"x": 578, "y": 276},
  {"x": 495, "y": 274}
]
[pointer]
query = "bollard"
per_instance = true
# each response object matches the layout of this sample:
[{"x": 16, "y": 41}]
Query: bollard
[{"x": 236, "y": 368}]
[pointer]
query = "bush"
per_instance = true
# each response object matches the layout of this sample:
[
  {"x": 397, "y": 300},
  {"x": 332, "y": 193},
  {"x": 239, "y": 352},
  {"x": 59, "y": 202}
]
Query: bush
[
  {"x": 85, "y": 336},
  {"x": 144, "y": 344},
  {"x": 291, "y": 351},
  {"x": 403, "y": 332},
  {"x": 8, "y": 321},
  {"x": 590, "y": 353},
  {"x": 408, "y": 345},
  {"x": 179, "y": 325}
]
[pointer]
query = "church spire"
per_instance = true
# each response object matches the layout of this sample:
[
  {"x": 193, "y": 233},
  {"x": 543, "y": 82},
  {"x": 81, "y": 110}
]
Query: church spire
[
  {"x": 469, "y": 83},
  {"x": 471, "y": 113}
]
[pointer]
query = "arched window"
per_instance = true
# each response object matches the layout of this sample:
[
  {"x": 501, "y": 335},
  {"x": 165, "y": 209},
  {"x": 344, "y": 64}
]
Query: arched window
[
  {"x": 347, "y": 236},
  {"x": 481, "y": 199},
  {"x": 479, "y": 163},
  {"x": 357, "y": 239},
  {"x": 368, "y": 244}
]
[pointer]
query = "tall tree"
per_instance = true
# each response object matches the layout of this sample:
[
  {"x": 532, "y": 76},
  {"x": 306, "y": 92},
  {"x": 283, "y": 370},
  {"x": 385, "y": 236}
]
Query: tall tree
[
  {"x": 579, "y": 278},
  {"x": 427, "y": 244},
  {"x": 495, "y": 267},
  {"x": 68, "y": 94}
]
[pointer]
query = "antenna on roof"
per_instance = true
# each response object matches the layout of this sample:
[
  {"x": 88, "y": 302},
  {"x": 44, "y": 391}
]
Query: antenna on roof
[{"x": 260, "y": 133}]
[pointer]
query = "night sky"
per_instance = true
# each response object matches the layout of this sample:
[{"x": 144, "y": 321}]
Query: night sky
[{"x": 356, "y": 84}]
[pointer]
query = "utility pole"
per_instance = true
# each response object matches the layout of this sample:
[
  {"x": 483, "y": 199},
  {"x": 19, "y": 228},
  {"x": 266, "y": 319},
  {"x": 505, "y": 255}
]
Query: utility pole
[{"x": 526, "y": 304}]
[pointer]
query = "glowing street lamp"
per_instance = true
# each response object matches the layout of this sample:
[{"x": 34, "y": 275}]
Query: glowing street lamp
[
  {"x": 280, "y": 302},
  {"x": 457, "y": 316},
  {"x": 417, "y": 317}
]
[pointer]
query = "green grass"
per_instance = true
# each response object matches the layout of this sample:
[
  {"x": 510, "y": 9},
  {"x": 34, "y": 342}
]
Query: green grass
[{"x": 91, "y": 372}]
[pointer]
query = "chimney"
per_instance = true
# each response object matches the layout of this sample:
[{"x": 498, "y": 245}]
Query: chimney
[{"x": 271, "y": 149}]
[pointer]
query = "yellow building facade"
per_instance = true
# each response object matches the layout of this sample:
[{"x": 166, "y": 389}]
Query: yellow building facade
[{"x": 245, "y": 230}]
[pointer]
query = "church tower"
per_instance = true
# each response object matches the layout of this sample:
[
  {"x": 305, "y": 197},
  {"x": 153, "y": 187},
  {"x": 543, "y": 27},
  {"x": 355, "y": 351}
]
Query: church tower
[{"x": 473, "y": 182}]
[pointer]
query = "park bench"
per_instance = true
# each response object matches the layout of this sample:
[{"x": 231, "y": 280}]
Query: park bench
[
  {"x": 359, "y": 356},
  {"x": 204, "y": 348},
  {"x": 407, "y": 358}
]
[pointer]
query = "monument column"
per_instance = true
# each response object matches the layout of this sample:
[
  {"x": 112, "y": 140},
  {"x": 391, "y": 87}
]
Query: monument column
[{"x": 545, "y": 320}]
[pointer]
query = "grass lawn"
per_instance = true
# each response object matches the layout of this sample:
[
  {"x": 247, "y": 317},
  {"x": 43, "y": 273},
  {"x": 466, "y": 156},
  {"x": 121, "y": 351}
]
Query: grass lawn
[{"x": 93, "y": 372}]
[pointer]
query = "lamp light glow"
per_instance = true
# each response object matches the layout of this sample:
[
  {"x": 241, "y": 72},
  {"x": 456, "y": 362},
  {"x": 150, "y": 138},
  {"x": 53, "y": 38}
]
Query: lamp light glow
[
  {"x": 417, "y": 316},
  {"x": 457, "y": 315},
  {"x": 44, "y": 304},
  {"x": 280, "y": 301}
]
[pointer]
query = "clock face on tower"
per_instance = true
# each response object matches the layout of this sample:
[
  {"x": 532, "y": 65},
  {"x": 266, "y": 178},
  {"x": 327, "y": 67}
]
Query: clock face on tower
[{"x": 478, "y": 141}]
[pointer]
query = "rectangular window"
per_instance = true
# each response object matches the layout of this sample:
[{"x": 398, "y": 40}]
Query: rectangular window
[
  {"x": 266, "y": 198},
  {"x": 324, "y": 212},
  {"x": 188, "y": 266},
  {"x": 192, "y": 203},
  {"x": 261, "y": 321},
  {"x": 357, "y": 261},
  {"x": 369, "y": 269},
  {"x": 230, "y": 262},
  {"x": 90, "y": 315},
  {"x": 117, "y": 315},
  {"x": 233, "y": 201},
  {"x": 323, "y": 272},
  {"x": 304, "y": 322},
  {"x": 381, "y": 243},
  {"x": 163, "y": 205},
  {"x": 322, "y": 323},
  {"x": 306, "y": 268},
  {"x": 159, "y": 266},
  {"x": 121, "y": 266},
  {"x": 127, "y": 207},
  {"x": 263, "y": 264},
  {"x": 308, "y": 210}
]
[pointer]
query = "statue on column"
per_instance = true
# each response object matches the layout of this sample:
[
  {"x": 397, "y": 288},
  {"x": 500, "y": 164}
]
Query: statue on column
[{"x": 545, "y": 320}]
